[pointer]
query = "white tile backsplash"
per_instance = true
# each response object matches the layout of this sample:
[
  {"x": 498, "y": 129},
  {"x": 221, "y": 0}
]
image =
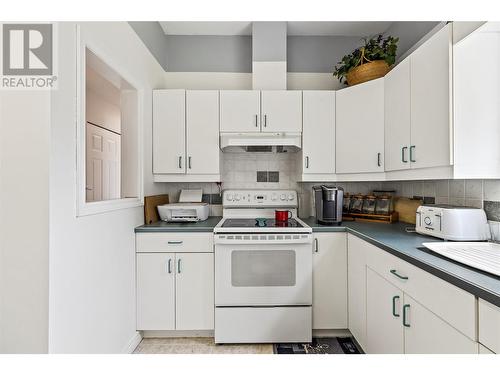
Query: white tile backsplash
[{"x": 457, "y": 189}]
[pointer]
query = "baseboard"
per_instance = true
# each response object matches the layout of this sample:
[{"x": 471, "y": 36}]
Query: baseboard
[
  {"x": 159, "y": 334},
  {"x": 132, "y": 343},
  {"x": 331, "y": 333}
]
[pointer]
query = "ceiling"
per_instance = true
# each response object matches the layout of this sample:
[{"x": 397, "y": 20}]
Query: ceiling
[{"x": 333, "y": 28}]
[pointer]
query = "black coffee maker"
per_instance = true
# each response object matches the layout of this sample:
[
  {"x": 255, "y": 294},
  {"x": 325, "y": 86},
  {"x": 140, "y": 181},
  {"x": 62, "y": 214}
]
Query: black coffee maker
[{"x": 328, "y": 201}]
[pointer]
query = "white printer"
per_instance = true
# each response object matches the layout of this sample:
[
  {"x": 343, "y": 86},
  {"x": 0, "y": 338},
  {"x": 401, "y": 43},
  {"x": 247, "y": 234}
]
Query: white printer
[
  {"x": 453, "y": 223},
  {"x": 189, "y": 209}
]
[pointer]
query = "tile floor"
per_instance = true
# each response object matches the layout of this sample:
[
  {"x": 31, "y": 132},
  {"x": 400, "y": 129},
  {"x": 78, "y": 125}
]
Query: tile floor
[{"x": 197, "y": 345}]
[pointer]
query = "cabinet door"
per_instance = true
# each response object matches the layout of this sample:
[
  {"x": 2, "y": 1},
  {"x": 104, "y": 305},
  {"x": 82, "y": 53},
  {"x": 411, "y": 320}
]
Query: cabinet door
[
  {"x": 281, "y": 111},
  {"x": 426, "y": 333},
  {"x": 194, "y": 291},
  {"x": 356, "y": 281},
  {"x": 169, "y": 131},
  {"x": 360, "y": 128},
  {"x": 329, "y": 281},
  {"x": 397, "y": 117},
  {"x": 155, "y": 291},
  {"x": 431, "y": 101},
  {"x": 202, "y": 121},
  {"x": 318, "y": 134},
  {"x": 384, "y": 329},
  {"x": 240, "y": 111},
  {"x": 489, "y": 325}
]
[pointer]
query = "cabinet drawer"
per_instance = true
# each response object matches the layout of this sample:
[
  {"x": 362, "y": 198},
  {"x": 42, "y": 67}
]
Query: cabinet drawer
[
  {"x": 174, "y": 243},
  {"x": 454, "y": 305},
  {"x": 489, "y": 325}
]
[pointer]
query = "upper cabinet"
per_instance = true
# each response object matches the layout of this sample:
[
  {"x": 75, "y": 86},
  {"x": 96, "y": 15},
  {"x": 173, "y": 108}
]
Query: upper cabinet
[
  {"x": 431, "y": 78},
  {"x": 318, "y": 135},
  {"x": 281, "y": 111},
  {"x": 240, "y": 111},
  {"x": 186, "y": 135},
  {"x": 477, "y": 104},
  {"x": 417, "y": 107},
  {"x": 360, "y": 128}
]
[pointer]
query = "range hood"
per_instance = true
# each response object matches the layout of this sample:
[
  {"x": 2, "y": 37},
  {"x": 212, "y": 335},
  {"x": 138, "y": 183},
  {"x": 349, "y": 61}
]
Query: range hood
[{"x": 260, "y": 142}]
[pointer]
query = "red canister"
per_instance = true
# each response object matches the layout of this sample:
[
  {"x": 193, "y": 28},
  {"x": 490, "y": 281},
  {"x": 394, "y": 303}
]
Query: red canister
[{"x": 282, "y": 215}]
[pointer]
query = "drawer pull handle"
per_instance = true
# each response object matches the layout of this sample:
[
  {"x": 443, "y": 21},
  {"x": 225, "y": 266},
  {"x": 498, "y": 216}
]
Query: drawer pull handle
[
  {"x": 405, "y": 315},
  {"x": 394, "y": 313},
  {"x": 170, "y": 266},
  {"x": 174, "y": 242},
  {"x": 403, "y": 152},
  {"x": 178, "y": 266},
  {"x": 395, "y": 273},
  {"x": 316, "y": 245},
  {"x": 412, "y": 159},
  {"x": 256, "y": 121}
]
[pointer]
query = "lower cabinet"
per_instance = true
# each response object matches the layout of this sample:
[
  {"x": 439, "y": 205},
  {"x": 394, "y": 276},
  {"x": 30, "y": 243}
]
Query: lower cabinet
[
  {"x": 489, "y": 325},
  {"x": 356, "y": 281},
  {"x": 175, "y": 291},
  {"x": 329, "y": 281}
]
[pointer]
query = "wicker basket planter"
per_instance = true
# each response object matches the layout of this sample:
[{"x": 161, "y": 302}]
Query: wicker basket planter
[{"x": 367, "y": 71}]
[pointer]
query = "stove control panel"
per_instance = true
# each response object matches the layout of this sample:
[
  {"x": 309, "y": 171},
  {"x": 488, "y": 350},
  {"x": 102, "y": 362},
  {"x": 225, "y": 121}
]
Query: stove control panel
[{"x": 255, "y": 198}]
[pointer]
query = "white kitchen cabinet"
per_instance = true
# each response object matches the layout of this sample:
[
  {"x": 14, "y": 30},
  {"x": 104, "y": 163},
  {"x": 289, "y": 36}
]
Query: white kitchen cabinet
[
  {"x": 175, "y": 290},
  {"x": 384, "y": 331},
  {"x": 194, "y": 290},
  {"x": 281, "y": 111},
  {"x": 426, "y": 333},
  {"x": 329, "y": 281},
  {"x": 397, "y": 117},
  {"x": 169, "y": 131},
  {"x": 484, "y": 350},
  {"x": 202, "y": 124},
  {"x": 431, "y": 98},
  {"x": 356, "y": 272},
  {"x": 360, "y": 128},
  {"x": 186, "y": 136},
  {"x": 489, "y": 325},
  {"x": 240, "y": 111},
  {"x": 318, "y": 135},
  {"x": 155, "y": 291}
]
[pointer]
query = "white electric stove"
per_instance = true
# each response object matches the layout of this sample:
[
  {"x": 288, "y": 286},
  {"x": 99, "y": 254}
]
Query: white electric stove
[{"x": 263, "y": 270}]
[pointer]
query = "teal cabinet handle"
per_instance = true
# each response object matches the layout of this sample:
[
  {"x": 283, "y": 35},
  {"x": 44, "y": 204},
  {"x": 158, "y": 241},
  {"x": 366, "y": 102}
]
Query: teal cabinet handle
[
  {"x": 394, "y": 313},
  {"x": 395, "y": 273},
  {"x": 405, "y": 309}
]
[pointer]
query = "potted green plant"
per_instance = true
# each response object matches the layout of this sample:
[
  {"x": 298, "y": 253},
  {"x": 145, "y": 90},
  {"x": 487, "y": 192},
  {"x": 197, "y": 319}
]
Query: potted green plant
[{"x": 370, "y": 61}]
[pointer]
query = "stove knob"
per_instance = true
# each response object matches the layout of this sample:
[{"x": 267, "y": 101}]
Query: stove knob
[
  {"x": 282, "y": 197},
  {"x": 274, "y": 197},
  {"x": 230, "y": 197},
  {"x": 237, "y": 197},
  {"x": 290, "y": 197},
  {"x": 427, "y": 220}
]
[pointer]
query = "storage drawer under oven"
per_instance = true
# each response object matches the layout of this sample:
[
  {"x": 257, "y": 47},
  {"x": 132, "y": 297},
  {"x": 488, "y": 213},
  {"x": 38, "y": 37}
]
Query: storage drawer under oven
[{"x": 263, "y": 274}]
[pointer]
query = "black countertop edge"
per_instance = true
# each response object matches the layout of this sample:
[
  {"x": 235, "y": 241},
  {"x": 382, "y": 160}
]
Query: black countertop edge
[
  {"x": 198, "y": 226},
  {"x": 464, "y": 284}
]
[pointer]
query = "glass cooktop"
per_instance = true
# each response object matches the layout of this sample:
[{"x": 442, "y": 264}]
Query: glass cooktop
[{"x": 260, "y": 223}]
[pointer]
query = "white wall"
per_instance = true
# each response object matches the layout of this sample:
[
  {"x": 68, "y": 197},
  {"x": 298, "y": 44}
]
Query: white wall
[
  {"x": 24, "y": 212},
  {"x": 92, "y": 258}
]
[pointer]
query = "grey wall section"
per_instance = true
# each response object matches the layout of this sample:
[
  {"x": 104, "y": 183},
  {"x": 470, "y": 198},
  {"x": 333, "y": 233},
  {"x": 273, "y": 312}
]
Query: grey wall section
[
  {"x": 200, "y": 53},
  {"x": 409, "y": 33},
  {"x": 269, "y": 41},
  {"x": 318, "y": 54},
  {"x": 153, "y": 37}
]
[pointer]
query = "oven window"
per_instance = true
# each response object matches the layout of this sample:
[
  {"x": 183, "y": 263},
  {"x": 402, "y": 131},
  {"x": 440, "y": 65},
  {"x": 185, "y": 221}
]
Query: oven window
[{"x": 263, "y": 268}]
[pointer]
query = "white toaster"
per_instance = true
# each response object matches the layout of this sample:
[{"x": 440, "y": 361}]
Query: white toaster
[{"x": 453, "y": 223}]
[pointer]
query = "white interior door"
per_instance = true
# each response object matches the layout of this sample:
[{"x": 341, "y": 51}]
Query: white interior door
[
  {"x": 281, "y": 111},
  {"x": 240, "y": 111},
  {"x": 330, "y": 281},
  {"x": 169, "y": 131},
  {"x": 103, "y": 164},
  {"x": 426, "y": 333},
  {"x": 431, "y": 101},
  {"x": 194, "y": 291},
  {"x": 155, "y": 291},
  {"x": 397, "y": 117},
  {"x": 360, "y": 128},
  {"x": 202, "y": 120},
  {"x": 318, "y": 136},
  {"x": 384, "y": 329}
]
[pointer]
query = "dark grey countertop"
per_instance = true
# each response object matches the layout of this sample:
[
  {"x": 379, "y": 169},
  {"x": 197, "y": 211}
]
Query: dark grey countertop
[
  {"x": 392, "y": 238},
  {"x": 162, "y": 226}
]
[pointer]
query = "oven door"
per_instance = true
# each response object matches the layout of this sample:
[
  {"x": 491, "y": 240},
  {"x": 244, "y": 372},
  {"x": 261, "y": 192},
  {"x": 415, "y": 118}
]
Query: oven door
[{"x": 263, "y": 272}]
